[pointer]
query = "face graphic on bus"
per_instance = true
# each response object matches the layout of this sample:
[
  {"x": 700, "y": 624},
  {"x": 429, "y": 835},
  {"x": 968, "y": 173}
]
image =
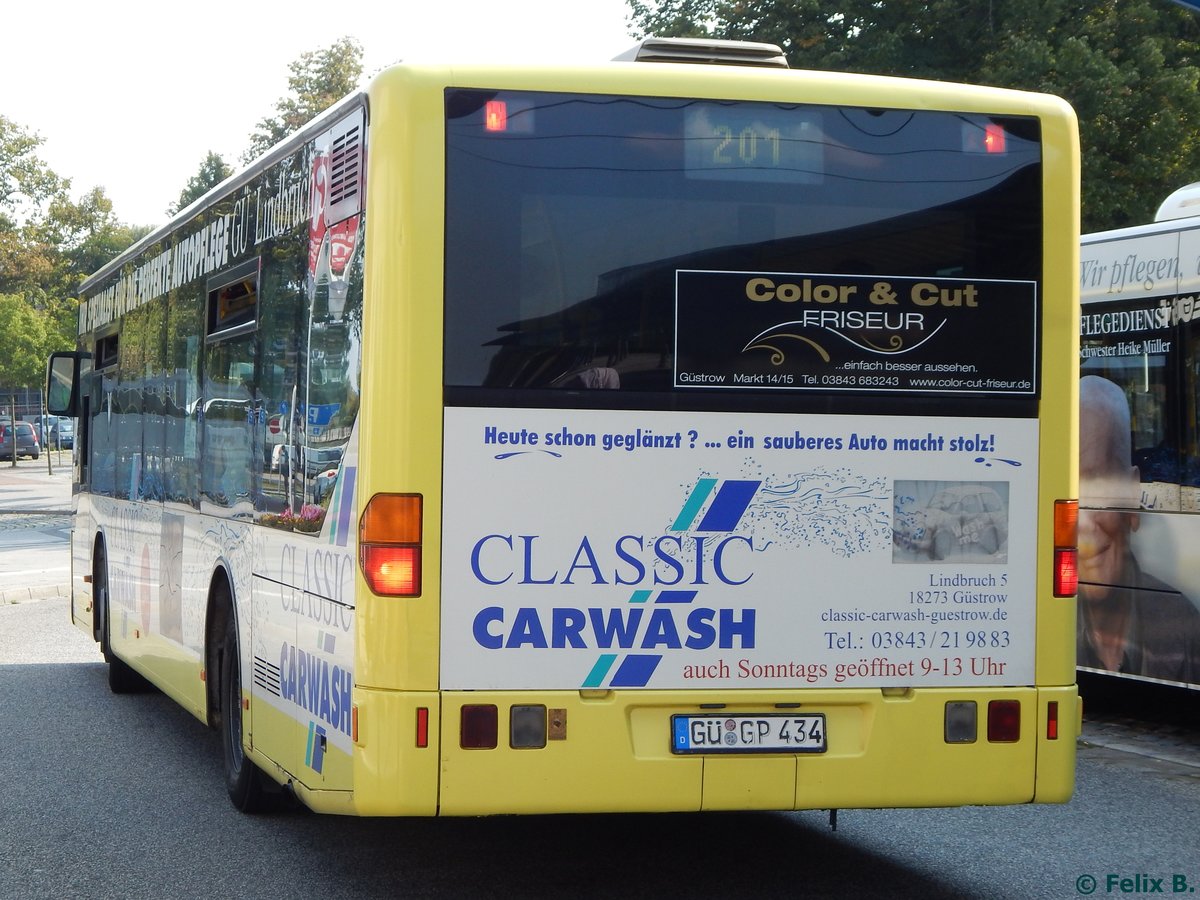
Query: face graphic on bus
[{"x": 1108, "y": 484}]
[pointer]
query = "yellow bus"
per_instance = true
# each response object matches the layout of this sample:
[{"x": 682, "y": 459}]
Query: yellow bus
[{"x": 678, "y": 433}]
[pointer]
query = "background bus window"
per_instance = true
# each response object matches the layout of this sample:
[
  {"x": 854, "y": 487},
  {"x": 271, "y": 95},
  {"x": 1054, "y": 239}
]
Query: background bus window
[
  {"x": 127, "y": 406},
  {"x": 1131, "y": 343},
  {"x": 1190, "y": 490}
]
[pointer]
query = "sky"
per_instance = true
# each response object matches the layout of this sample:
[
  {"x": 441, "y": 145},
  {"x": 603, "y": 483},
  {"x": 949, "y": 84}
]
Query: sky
[{"x": 131, "y": 95}]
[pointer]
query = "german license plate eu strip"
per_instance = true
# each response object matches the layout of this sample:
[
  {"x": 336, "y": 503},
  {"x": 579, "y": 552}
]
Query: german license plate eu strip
[{"x": 768, "y": 733}]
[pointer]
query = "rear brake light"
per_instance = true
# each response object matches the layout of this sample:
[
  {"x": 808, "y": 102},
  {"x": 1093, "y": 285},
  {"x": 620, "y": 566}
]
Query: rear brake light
[
  {"x": 1066, "y": 541},
  {"x": 1052, "y": 720},
  {"x": 495, "y": 115},
  {"x": 993, "y": 138},
  {"x": 1004, "y": 721},
  {"x": 1066, "y": 572},
  {"x": 477, "y": 727},
  {"x": 392, "y": 571},
  {"x": 390, "y": 545}
]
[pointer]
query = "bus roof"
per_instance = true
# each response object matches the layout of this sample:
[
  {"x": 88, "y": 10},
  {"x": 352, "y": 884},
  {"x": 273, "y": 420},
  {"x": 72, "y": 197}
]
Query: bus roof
[{"x": 1182, "y": 204}]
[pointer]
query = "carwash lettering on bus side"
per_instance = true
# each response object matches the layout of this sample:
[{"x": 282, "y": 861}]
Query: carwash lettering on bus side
[
  {"x": 311, "y": 682},
  {"x": 652, "y": 617}
]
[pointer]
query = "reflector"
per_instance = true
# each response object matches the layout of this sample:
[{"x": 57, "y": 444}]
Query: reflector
[{"x": 422, "y": 726}]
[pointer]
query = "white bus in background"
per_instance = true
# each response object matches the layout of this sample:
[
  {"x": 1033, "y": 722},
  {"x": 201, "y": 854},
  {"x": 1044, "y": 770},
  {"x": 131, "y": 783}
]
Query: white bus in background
[{"x": 1140, "y": 548}]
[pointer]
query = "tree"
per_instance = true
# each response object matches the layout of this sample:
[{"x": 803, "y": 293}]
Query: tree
[
  {"x": 24, "y": 345},
  {"x": 48, "y": 242},
  {"x": 213, "y": 170},
  {"x": 1129, "y": 67},
  {"x": 318, "y": 80},
  {"x": 25, "y": 181}
]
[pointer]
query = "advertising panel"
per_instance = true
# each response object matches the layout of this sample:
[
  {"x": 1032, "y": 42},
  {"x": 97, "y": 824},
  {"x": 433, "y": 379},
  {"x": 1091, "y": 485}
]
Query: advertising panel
[
  {"x": 621, "y": 549},
  {"x": 860, "y": 333}
]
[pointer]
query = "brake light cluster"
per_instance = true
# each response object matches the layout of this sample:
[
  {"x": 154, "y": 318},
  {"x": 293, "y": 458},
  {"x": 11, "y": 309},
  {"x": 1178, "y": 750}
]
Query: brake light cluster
[
  {"x": 1003, "y": 722},
  {"x": 390, "y": 545},
  {"x": 1066, "y": 547},
  {"x": 529, "y": 726}
]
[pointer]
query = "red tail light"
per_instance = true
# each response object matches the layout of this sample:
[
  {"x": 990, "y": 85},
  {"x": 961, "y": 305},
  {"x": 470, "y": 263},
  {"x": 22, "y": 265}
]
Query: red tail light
[
  {"x": 495, "y": 115},
  {"x": 993, "y": 138},
  {"x": 1052, "y": 720},
  {"x": 1066, "y": 541},
  {"x": 1004, "y": 721},
  {"x": 390, "y": 545},
  {"x": 478, "y": 727}
]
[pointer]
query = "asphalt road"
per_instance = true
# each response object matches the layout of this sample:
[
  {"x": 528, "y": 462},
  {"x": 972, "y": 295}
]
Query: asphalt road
[{"x": 121, "y": 796}]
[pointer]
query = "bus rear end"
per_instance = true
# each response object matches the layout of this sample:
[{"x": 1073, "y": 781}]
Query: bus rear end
[{"x": 738, "y": 421}]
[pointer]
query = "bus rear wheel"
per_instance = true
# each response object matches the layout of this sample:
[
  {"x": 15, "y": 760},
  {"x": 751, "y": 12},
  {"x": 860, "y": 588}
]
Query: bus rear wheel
[{"x": 247, "y": 786}]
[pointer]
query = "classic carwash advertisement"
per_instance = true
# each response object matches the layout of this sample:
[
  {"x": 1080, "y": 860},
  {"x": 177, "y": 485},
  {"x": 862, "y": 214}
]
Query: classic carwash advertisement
[{"x": 631, "y": 549}]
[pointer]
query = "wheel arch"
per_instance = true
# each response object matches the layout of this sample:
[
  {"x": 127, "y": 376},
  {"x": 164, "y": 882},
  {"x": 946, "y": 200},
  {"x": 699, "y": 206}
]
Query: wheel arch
[
  {"x": 220, "y": 609},
  {"x": 99, "y": 553}
]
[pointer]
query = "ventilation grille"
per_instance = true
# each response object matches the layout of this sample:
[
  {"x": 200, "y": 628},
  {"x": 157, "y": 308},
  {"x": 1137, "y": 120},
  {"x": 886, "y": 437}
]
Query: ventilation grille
[
  {"x": 346, "y": 164},
  {"x": 344, "y": 168}
]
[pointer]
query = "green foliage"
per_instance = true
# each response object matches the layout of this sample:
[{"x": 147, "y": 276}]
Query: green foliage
[
  {"x": 1129, "y": 67},
  {"x": 318, "y": 80},
  {"x": 24, "y": 343},
  {"x": 48, "y": 244},
  {"x": 24, "y": 179},
  {"x": 213, "y": 170}
]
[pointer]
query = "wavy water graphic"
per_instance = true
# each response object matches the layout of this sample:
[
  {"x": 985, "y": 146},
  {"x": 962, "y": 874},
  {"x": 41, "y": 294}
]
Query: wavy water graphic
[
  {"x": 513, "y": 453},
  {"x": 844, "y": 511},
  {"x": 895, "y": 341}
]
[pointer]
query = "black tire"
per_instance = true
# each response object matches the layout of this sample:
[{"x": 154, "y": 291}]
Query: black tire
[
  {"x": 121, "y": 678},
  {"x": 249, "y": 789}
]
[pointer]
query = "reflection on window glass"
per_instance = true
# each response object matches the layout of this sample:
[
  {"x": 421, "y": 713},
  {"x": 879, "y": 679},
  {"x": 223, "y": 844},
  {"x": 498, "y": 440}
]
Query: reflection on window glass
[
  {"x": 565, "y": 228},
  {"x": 1130, "y": 344}
]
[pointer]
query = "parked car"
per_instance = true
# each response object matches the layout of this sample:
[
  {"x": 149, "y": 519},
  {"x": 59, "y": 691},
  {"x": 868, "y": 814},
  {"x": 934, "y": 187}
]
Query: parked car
[
  {"x": 318, "y": 459},
  {"x": 26, "y": 438},
  {"x": 55, "y": 431}
]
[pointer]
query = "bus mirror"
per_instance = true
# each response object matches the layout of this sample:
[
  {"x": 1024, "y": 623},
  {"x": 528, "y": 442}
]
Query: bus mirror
[{"x": 62, "y": 384}]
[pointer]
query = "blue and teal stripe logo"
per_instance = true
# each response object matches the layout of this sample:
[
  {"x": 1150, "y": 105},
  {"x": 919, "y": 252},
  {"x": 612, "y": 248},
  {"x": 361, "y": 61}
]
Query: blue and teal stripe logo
[
  {"x": 729, "y": 503},
  {"x": 712, "y": 506}
]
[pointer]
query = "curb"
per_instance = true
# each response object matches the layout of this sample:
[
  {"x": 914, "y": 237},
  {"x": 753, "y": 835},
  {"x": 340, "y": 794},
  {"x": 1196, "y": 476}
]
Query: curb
[{"x": 9, "y": 596}]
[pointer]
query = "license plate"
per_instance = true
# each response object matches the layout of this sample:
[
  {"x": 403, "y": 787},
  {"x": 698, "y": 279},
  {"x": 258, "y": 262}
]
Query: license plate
[{"x": 748, "y": 734}]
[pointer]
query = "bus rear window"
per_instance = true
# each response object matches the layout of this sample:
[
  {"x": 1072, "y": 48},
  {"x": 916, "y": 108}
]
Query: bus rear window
[{"x": 581, "y": 229}]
